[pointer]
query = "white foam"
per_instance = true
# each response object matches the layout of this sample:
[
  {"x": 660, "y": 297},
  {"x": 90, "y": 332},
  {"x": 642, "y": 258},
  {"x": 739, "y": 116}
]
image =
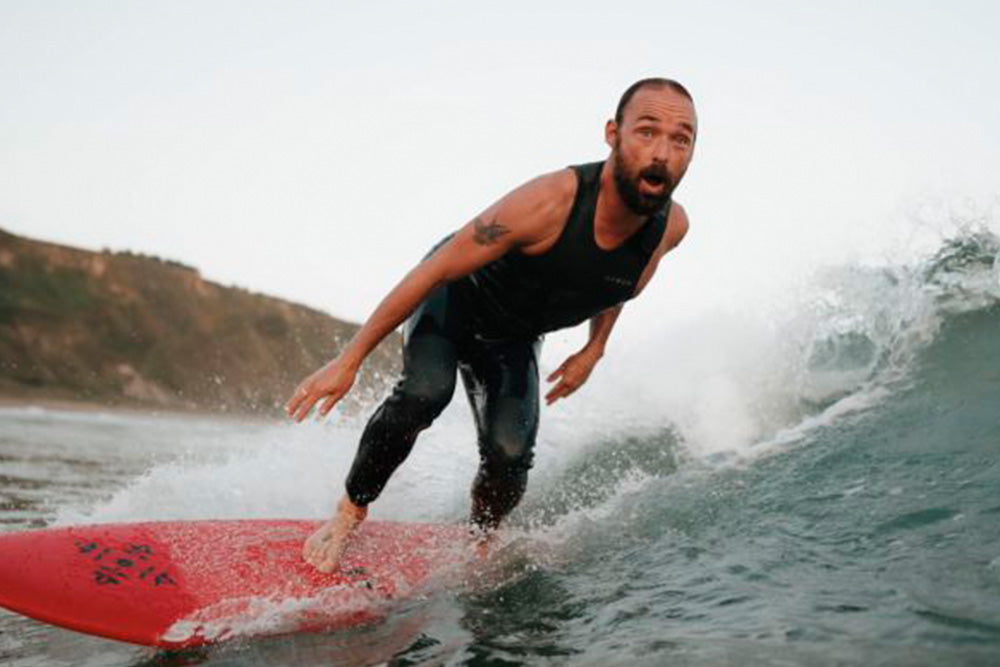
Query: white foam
[{"x": 255, "y": 616}]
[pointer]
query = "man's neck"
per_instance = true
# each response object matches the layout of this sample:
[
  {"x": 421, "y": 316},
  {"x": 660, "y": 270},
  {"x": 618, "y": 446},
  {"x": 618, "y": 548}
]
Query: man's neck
[{"x": 614, "y": 222}]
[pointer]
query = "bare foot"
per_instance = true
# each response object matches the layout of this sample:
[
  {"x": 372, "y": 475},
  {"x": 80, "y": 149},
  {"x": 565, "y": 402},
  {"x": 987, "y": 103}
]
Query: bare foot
[
  {"x": 484, "y": 545},
  {"x": 483, "y": 540},
  {"x": 325, "y": 547}
]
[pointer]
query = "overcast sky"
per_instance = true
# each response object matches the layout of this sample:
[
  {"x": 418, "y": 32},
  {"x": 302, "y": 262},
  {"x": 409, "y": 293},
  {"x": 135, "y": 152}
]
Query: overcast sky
[{"x": 314, "y": 151}]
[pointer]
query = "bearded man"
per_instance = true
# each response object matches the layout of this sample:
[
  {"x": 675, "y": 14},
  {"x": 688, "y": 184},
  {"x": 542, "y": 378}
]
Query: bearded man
[{"x": 565, "y": 247}]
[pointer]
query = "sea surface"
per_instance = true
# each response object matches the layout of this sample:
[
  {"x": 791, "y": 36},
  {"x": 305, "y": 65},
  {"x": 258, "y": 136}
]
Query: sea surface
[{"x": 816, "y": 483}]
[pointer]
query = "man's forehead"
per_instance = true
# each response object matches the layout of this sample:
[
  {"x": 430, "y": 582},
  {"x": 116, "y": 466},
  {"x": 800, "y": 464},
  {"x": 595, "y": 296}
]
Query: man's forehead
[{"x": 660, "y": 103}]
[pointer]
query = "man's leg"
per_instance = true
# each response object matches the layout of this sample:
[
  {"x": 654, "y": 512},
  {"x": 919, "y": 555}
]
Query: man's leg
[
  {"x": 501, "y": 381},
  {"x": 425, "y": 389}
]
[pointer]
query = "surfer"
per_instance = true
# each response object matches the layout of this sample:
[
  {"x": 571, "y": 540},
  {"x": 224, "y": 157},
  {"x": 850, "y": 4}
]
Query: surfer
[{"x": 563, "y": 248}]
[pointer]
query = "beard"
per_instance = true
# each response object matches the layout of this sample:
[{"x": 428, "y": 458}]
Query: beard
[{"x": 627, "y": 185}]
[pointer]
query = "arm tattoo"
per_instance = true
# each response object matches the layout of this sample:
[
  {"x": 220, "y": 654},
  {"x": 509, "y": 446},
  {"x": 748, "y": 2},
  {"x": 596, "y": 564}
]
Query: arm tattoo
[{"x": 487, "y": 233}]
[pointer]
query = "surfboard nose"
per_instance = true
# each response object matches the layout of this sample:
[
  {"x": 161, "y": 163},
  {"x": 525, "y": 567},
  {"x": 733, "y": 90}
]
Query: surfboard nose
[
  {"x": 90, "y": 579},
  {"x": 33, "y": 565}
]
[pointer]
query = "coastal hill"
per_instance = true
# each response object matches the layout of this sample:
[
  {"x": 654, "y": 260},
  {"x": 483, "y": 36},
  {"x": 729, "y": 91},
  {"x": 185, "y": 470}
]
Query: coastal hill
[{"x": 122, "y": 329}]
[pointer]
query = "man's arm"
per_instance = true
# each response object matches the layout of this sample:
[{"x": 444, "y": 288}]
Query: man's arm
[
  {"x": 527, "y": 216},
  {"x": 573, "y": 372}
]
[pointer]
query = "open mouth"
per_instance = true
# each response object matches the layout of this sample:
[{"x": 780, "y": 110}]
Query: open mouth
[{"x": 653, "y": 181}]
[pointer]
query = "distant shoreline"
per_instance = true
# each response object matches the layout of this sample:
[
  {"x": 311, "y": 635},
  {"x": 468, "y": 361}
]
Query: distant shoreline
[{"x": 94, "y": 407}]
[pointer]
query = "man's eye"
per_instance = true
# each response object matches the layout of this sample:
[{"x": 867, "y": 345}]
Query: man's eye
[
  {"x": 683, "y": 139},
  {"x": 645, "y": 132}
]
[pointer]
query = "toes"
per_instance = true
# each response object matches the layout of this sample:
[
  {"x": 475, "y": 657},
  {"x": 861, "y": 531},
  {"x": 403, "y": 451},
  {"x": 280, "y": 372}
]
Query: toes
[
  {"x": 315, "y": 543},
  {"x": 309, "y": 549},
  {"x": 331, "y": 557},
  {"x": 312, "y": 550},
  {"x": 324, "y": 548},
  {"x": 309, "y": 556}
]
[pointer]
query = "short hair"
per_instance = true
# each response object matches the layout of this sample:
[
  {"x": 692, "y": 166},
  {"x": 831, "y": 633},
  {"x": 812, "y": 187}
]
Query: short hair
[{"x": 644, "y": 83}]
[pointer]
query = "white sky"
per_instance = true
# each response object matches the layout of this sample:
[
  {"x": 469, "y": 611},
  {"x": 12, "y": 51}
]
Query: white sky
[{"x": 314, "y": 151}]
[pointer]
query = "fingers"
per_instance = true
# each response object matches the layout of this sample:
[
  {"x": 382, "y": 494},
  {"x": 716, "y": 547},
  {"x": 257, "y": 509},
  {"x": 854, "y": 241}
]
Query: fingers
[
  {"x": 328, "y": 404},
  {"x": 329, "y": 384},
  {"x": 296, "y": 400},
  {"x": 564, "y": 388},
  {"x": 557, "y": 372},
  {"x": 303, "y": 400},
  {"x": 305, "y": 406},
  {"x": 561, "y": 390}
]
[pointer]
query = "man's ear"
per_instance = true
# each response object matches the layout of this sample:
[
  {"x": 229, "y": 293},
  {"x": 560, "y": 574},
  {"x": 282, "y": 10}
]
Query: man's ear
[{"x": 610, "y": 133}]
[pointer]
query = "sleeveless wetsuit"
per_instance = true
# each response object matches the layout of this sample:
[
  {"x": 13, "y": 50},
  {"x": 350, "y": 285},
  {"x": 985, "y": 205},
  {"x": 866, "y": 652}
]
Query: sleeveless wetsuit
[
  {"x": 488, "y": 326},
  {"x": 524, "y": 295}
]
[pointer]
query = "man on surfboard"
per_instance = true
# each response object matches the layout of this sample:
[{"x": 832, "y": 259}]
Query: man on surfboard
[{"x": 568, "y": 246}]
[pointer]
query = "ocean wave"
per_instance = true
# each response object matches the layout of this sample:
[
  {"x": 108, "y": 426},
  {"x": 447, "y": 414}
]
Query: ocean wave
[
  {"x": 735, "y": 387},
  {"x": 718, "y": 392}
]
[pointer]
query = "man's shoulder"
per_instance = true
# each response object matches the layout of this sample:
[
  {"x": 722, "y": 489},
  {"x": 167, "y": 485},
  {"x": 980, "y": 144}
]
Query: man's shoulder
[
  {"x": 554, "y": 187},
  {"x": 677, "y": 226},
  {"x": 678, "y": 214},
  {"x": 544, "y": 200}
]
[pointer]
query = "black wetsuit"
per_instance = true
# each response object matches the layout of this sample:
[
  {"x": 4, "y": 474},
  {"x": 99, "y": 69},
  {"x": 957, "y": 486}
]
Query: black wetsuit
[{"x": 488, "y": 326}]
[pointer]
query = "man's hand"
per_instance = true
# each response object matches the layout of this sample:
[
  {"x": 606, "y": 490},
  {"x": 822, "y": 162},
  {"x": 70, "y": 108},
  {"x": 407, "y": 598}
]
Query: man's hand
[
  {"x": 572, "y": 374},
  {"x": 332, "y": 381}
]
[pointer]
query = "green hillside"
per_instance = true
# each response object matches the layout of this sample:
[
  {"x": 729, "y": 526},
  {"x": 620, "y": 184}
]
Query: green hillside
[{"x": 124, "y": 329}]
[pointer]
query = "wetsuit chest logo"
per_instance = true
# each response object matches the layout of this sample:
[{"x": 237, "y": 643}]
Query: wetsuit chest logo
[{"x": 622, "y": 282}]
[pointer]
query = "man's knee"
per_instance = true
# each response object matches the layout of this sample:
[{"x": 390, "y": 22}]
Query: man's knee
[
  {"x": 507, "y": 453},
  {"x": 422, "y": 399}
]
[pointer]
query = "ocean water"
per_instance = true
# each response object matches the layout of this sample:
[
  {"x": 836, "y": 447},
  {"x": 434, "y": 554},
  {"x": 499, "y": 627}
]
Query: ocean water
[{"x": 816, "y": 483}]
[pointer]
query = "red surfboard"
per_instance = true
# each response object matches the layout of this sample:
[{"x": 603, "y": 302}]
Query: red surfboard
[{"x": 187, "y": 583}]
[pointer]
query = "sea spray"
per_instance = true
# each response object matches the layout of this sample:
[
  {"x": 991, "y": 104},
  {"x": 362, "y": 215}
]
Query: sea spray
[{"x": 719, "y": 387}]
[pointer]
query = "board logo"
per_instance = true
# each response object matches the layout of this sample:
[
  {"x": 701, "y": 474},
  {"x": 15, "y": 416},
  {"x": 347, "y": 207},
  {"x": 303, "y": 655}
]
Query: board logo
[{"x": 125, "y": 564}]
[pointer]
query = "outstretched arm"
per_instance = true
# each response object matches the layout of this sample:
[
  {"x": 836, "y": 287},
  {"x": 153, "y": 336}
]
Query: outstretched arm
[{"x": 524, "y": 217}]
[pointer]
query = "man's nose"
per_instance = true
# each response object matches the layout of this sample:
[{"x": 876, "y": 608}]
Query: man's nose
[{"x": 662, "y": 150}]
